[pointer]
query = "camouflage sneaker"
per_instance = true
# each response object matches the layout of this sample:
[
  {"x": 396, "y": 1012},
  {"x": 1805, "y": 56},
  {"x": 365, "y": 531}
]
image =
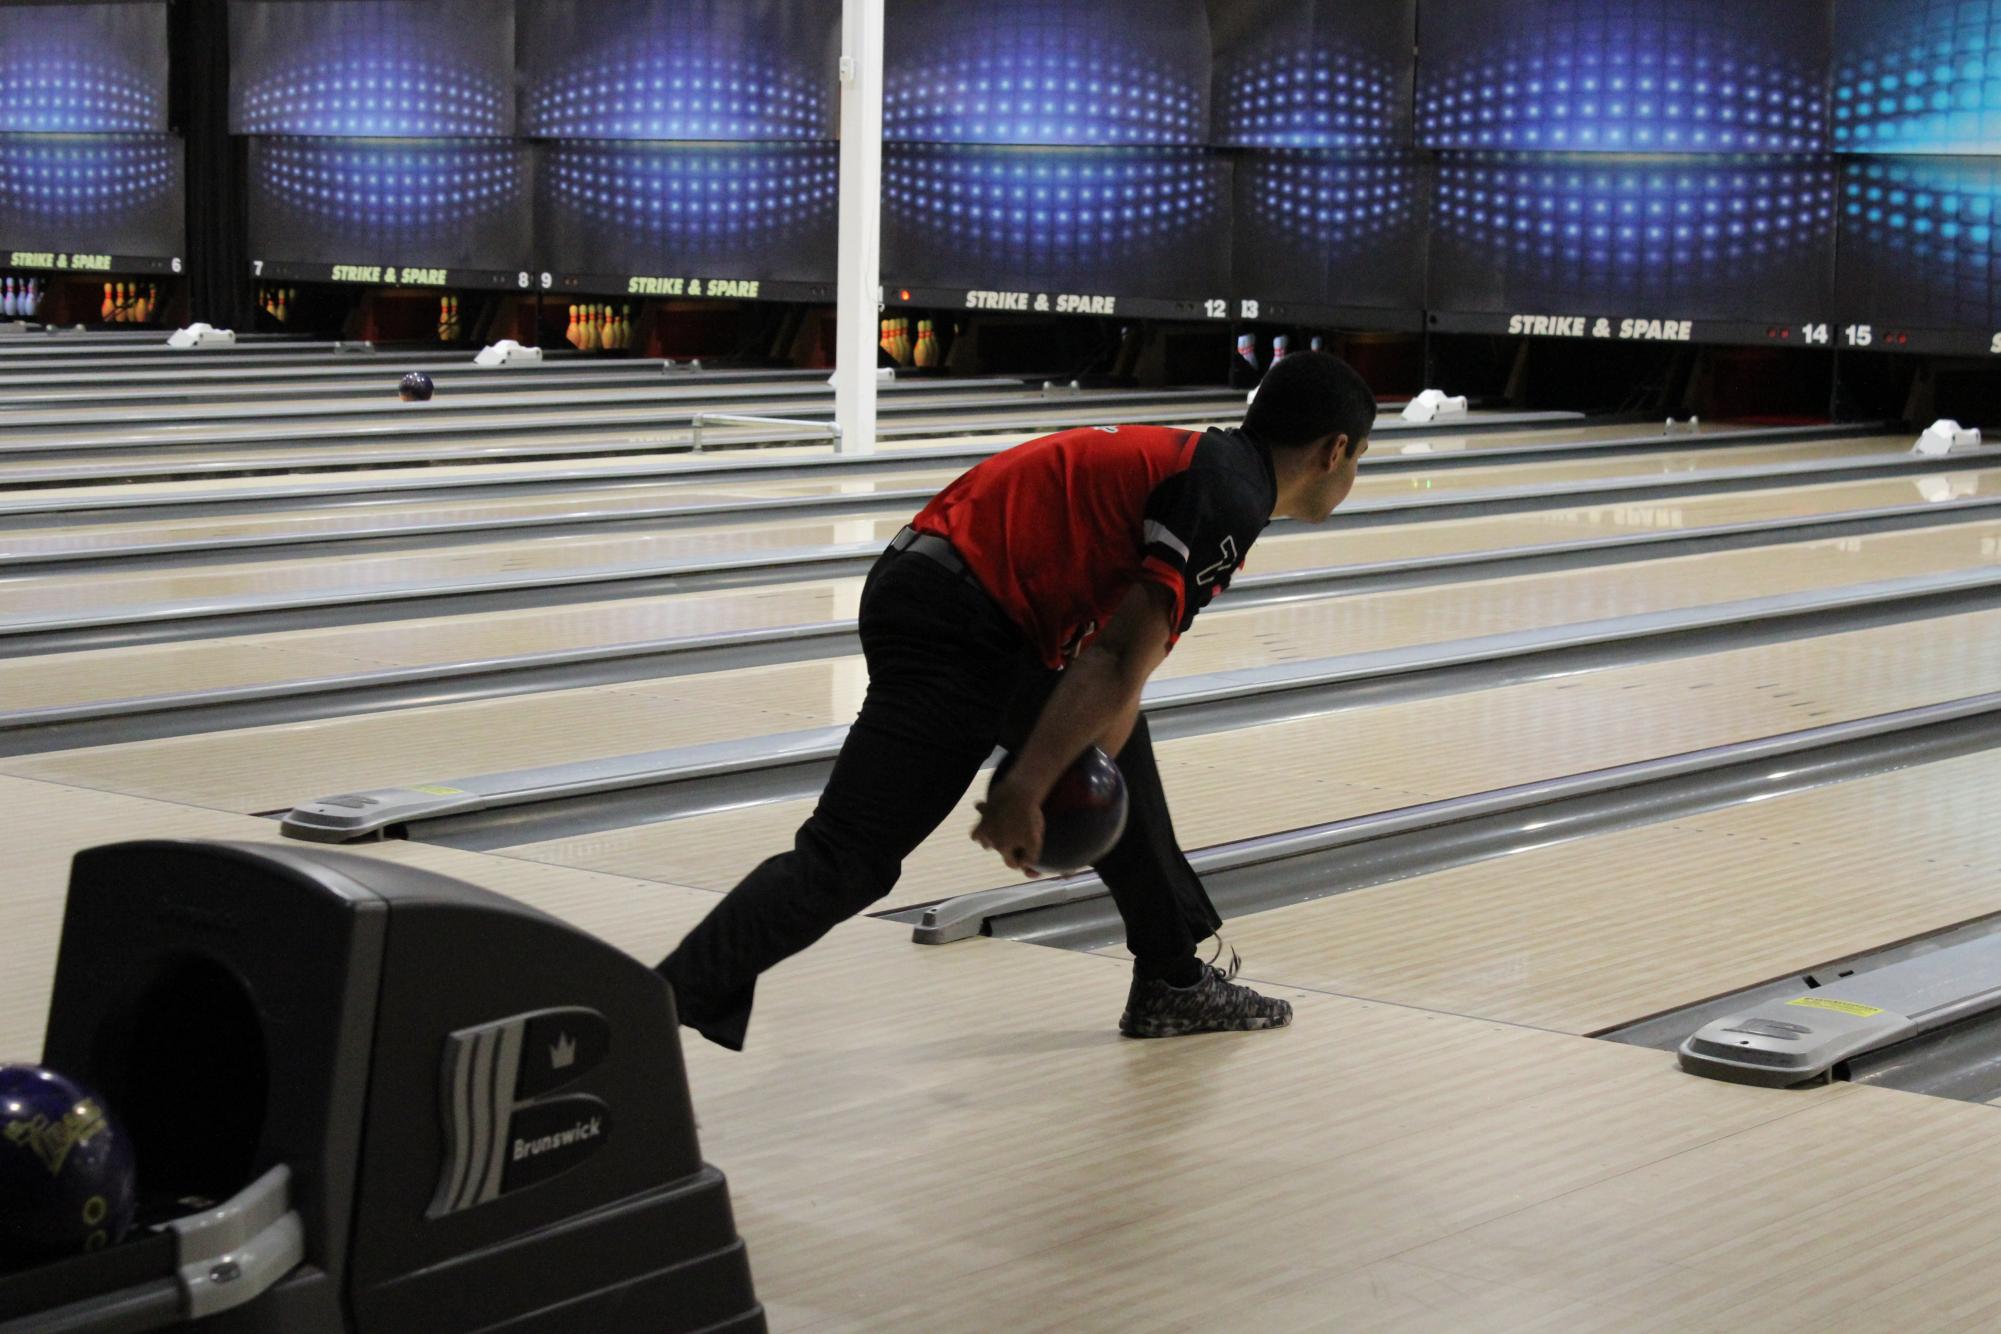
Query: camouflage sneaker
[{"x": 1216, "y": 1004}]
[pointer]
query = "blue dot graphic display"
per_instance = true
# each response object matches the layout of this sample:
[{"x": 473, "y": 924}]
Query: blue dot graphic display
[
  {"x": 1740, "y": 238},
  {"x": 694, "y": 201},
  {"x": 83, "y": 69},
  {"x": 1137, "y": 221},
  {"x": 1323, "y": 98},
  {"x": 1039, "y": 72},
  {"x": 1336, "y": 203},
  {"x": 119, "y": 195},
  {"x": 1917, "y": 76},
  {"x": 73, "y": 92},
  {"x": 372, "y": 68},
  {"x": 449, "y": 203},
  {"x": 1921, "y": 241},
  {"x": 86, "y": 183},
  {"x": 368, "y": 95},
  {"x": 1621, "y": 76},
  {"x": 678, "y": 70},
  {"x": 1052, "y": 208},
  {"x": 1322, "y": 228},
  {"x": 662, "y": 96}
]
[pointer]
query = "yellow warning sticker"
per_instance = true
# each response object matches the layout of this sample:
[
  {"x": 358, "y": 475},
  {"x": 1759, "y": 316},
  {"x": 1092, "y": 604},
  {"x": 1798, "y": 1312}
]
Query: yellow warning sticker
[
  {"x": 1839, "y": 1007},
  {"x": 438, "y": 790}
]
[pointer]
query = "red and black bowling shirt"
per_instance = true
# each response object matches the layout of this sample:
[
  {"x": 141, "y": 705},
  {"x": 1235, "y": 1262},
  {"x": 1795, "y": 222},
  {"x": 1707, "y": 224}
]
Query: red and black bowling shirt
[{"x": 1058, "y": 529}]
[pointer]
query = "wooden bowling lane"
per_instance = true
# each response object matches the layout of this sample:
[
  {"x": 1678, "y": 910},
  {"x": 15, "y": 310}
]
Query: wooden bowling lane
[
  {"x": 388, "y": 515},
  {"x": 1452, "y": 1173},
  {"x": 666, "y": 466},
  {"x": 352, "y": 423},
  {"x": 40, "y": 596},
  {"x": 283, "y": 765},
  {"x": 280, "y": 765},
  {"x": 23, "y": 537},
  {"x": 1589, "y": 934},
  {"x": 664, "y": 394},
  {"x": 374, "y": 487},
  {"x": 193, "y": 390},
  {"x": 49, "y": 469},
  {"x": 1357, "y": 762},
  {"x": 663, "y": 448},
  {"x": 77, "y": 678}
]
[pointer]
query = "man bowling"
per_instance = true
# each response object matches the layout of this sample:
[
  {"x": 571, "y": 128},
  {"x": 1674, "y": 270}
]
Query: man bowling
[{"x": 1026, "y": 606}]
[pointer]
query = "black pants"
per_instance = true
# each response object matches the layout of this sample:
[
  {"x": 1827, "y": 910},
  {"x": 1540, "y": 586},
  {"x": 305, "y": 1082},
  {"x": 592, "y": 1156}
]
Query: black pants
[{"x": 949, "y": 678}]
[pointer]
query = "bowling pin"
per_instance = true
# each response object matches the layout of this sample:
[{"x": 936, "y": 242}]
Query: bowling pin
[
  {"x": 570, "y": 334},
  {"x": 7, "y": 302},
  {"x": 927, "y": 344},
  {"x": 1279, "y": 347},
  {"x": 886, "y": 337},
  {"x": 1318, "y": 344},
  {"x": 1247, "y": 348},
  {"x": 105, "y": 310}
]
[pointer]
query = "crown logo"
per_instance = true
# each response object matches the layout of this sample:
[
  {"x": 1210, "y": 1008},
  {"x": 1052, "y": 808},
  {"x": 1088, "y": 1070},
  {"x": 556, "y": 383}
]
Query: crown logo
[{"x": 562, "y": 1052}]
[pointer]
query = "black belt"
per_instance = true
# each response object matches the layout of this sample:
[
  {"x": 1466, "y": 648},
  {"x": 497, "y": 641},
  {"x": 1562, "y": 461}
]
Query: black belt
[{"x": 933, "y": 547}]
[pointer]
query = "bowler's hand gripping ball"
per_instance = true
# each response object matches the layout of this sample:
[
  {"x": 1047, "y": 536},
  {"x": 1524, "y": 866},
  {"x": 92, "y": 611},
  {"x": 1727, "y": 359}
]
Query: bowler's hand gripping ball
[{"x": 1084, "y": 815}]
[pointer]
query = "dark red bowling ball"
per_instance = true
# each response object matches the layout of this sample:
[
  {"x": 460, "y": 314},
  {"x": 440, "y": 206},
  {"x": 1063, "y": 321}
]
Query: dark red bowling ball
[
  {"x": 67, "y": 1182},
  {"x": 1084, "y": 814},
  {"x": 415, "y": 388}
]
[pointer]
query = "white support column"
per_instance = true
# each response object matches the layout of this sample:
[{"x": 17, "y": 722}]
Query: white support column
[{"x": 859, "y": 289}]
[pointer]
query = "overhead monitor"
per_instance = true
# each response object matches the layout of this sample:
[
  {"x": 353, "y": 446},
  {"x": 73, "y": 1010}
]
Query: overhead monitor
[
  {"x": 1648, "y": 76},
  {"x": 430, "y": 212}
]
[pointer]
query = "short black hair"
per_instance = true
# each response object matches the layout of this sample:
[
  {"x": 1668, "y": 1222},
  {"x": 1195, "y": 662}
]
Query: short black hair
[{"x": 1306, "y": 396}]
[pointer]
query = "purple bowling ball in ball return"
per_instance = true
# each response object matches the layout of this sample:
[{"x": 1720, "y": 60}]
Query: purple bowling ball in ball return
[
  {"x": 415, "y": 388},
  {"x": 1083, "y": 816},
  {"x": 67, "y": 1181}
]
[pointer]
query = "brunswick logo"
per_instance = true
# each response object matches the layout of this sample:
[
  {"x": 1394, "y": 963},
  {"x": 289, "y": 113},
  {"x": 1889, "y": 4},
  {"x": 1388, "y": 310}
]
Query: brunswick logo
[
  {"x": 503, "y": 1129},
  {"x": 51, "y": 1141},
  {"x": 562, "y": 1139}
]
